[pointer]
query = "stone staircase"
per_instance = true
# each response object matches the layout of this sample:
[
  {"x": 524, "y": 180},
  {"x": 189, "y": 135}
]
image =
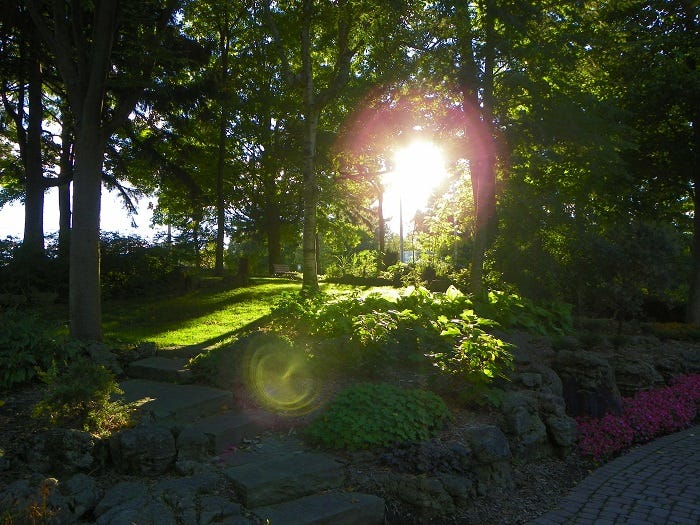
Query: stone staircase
[{"x": 278, "y": 480}]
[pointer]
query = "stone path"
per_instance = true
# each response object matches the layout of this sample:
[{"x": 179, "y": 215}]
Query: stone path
[
  {"x": 275, "y": 479},
  {"x": 655, "y": 484}
]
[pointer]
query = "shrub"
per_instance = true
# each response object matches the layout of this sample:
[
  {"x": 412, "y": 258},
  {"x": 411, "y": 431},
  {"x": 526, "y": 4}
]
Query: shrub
[
  {"x": 80, "y": 395},
  {"x": 646, "y": 415},
  {"x": 25, "y": 347},
  {"x": 420, "y": 330},
  {"x": 378, "y": 415}
]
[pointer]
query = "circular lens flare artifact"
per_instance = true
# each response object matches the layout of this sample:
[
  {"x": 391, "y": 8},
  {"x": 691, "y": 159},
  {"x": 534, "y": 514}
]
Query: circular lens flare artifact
[{"x": 281, "y": 380}]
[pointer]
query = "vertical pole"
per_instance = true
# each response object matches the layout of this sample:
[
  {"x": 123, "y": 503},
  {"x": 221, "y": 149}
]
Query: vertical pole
[{"x": 400, "y": 229}]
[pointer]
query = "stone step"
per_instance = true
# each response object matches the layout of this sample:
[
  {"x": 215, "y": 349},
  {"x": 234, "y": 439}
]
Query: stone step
[
  {"x": 158, "y": 368},
  {"x": 338, "y": 508},
  {"x": 176, "y": 404},
  {"x": 283, "y": 477},
  {"x": 218, "y": 433}
]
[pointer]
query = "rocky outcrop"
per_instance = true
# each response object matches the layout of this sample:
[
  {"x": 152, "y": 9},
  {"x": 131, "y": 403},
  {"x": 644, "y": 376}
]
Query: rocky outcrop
[
  {"x": 588, "y": 383},
  {"x": 147, "y": 450},
  {"x": 62, "y": 451}
]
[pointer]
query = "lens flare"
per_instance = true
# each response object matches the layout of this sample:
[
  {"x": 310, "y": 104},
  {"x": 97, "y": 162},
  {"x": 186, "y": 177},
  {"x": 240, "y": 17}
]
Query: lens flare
[{"x": 281, "y": 380}]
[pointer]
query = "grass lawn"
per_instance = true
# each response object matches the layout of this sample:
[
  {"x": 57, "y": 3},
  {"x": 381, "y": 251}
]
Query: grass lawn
[{"x": 203, "y": 318}]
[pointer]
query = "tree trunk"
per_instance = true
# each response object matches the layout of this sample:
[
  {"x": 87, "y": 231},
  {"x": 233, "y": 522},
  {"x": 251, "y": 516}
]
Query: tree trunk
[
  {"x": 220, "y": 202},
  {"x": 310, "y": 193},
  {"x": 224, "y": 45},
  {"x": 84, "y": 275},
  {"x": 64, "y": 206},
  {"x": 33, "y": 241},
  {"x": 381, "y": 230},
  {"x": 274, "y": 243}
]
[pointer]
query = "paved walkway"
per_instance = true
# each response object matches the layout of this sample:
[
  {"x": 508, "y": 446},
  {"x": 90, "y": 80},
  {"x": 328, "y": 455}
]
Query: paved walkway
[{"x": 655, "y": 484}]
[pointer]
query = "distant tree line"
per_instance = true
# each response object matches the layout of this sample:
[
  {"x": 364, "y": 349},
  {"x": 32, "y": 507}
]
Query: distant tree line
[{"x": 571, "y": 131}]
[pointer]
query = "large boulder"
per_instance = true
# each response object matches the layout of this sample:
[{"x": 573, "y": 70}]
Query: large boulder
[
  {"x": 588, "y": 383},
  {"x": 528, "y": 434},
  {"x": 634, "y": 373},
  {"x": 62, "y": 451},
  {"x": 492, "y": 457},
  {"x": 147, "y": 449}
]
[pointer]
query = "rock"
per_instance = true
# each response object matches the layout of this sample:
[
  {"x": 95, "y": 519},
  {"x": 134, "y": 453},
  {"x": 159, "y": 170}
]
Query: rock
[
  {"x": 216, "y": 508},
  {"x": 426, "y": 493},
  {"x": 121, "y": 493},
  {"x": 81, "y": 494},
  {"x": 143, "y": 510},
  {"x": 487, "y": 443},
  {"x": 102, "y": 355},
  {"x": 529, "y": 379},
  {"x": 148, "y": 450},
  {"x": 21, "y": 497},
  {"x": 551, "y": 382},
  {"x": 634, "y": 373},
  {"x": 522, "y": 422},
  {"x": 492, "y": 454},
  {"x": 588, "y": 381},
  {"x": 62, "y": 451},
  {"x": 336, "y": 508},
  {"x": 458, "y": 487},
  {"x": 562, "y": 430},
  {"x": 277, "y": 478}
]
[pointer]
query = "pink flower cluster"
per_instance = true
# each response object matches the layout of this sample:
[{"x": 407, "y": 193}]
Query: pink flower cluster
[{"x": 649, "y": 414}]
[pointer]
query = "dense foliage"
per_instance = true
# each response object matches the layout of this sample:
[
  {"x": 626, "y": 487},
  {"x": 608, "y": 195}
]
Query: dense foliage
[
  {"x": 27, "y": 346},
  {"x": 438, "y": 334},
  {"x": 82, "y": 395},
  {"x": 569, "y": 132},
  {"x": 378, "y": 415}
]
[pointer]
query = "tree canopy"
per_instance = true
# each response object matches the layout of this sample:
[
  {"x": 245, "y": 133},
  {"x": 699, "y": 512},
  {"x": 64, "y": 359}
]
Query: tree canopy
[{"x": 266, "y": 131}]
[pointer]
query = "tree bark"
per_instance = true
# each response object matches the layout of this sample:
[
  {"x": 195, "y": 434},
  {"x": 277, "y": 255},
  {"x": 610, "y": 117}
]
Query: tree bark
[
  {"x": 33, "y": 241},
  {"x": 310, "y": 195},
  {"x": 64, "y": 200},
  {"x": 84, "y": 275},
  {"x": 224, "y": 46}
]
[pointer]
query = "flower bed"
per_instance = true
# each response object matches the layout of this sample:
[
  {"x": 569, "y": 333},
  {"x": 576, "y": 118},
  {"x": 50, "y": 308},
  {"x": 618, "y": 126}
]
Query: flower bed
[{"x": 646, "y": 415}]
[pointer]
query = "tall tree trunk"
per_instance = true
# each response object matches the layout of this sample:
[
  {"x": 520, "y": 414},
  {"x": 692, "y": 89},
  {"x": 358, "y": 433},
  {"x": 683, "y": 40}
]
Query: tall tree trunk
[
  {"x": 220, "y": 201},
  {"x": 310, "y": 193},
  {"x": 33, "y": 241},
  {"x": 64, "y": 204},
  {"x": 381, "y": 229},
  {"x": 274, "y": 240},
  {"x": 224, "y": 45},
  {"x": 84, "y": 275},
  {"x": 477, "y": 94}
]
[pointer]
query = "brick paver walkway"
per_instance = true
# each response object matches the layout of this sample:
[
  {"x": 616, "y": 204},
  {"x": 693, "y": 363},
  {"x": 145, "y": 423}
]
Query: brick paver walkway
[{"x": 655, "y": 484}]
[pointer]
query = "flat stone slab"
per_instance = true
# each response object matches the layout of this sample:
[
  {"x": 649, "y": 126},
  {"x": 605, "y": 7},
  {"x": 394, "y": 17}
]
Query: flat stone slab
[
  {"x": 170, "y": 403},
  {"x": 284, "y": 477},
  {"x": 346, "y": 508},
  {"x": 218, "y": 433},
  {"x": 158, "y": 368}
]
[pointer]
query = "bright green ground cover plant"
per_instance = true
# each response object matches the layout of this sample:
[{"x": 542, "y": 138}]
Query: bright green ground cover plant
[{"x": 378, "y": 415}]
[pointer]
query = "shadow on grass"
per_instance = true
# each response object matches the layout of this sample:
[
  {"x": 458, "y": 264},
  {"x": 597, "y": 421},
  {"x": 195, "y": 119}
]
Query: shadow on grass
[{"x": 231, "y": 310}]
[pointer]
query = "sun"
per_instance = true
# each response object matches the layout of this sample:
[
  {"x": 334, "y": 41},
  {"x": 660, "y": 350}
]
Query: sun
[{"x": 418, "y": 169}]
